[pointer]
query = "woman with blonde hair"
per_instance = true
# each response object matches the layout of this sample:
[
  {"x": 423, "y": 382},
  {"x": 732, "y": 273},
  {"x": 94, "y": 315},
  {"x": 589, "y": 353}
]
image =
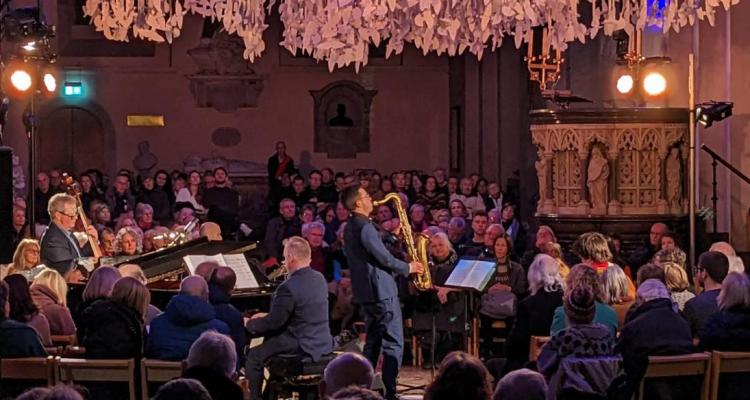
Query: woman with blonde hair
[
  {"x": 616, "y": 285},
  {"x": 49, "y": 292},
  {"x": 677, "y": 282},
  {"x": 25, "y": 258},
  {"x": 116, "y": 324},
  {"x": 128, "y": 242}
]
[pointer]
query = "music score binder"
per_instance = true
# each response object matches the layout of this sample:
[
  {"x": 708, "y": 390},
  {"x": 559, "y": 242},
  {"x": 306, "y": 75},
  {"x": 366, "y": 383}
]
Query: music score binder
[{"x": 472, "y": 273}]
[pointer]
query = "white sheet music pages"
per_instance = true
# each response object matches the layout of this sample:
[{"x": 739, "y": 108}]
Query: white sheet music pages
[
  {"x": 237, "y": 262},
  {"x": 473, "y": 274}
]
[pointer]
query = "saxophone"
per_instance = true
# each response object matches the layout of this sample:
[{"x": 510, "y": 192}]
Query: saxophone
[{"x": 415, "y": 247}]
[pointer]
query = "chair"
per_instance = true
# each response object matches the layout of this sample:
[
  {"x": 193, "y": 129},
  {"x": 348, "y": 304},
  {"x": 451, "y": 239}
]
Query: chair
[
  {"x": 70, "y": 370},
  {"x": 697, "y": 364},
  {"x": 726, "y": 362},
  {"x": 18, "y": 374},
  {"x": 64, "y": 340},
  {"x": 535, "y": 346},
  {"x": 158, "y": 371},
  {"x": 295, "y": 374}
]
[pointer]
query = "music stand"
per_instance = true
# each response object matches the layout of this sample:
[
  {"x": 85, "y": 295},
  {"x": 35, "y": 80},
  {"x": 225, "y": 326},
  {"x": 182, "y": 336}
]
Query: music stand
[{"x": 471, "y": 275}]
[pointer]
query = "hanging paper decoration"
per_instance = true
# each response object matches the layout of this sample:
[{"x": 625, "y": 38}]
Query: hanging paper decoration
[{"x": 340, "y": 32}]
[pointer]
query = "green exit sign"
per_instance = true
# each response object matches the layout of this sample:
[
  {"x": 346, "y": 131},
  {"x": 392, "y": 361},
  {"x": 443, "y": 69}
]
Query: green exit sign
[{"x": 73, "y": 89}]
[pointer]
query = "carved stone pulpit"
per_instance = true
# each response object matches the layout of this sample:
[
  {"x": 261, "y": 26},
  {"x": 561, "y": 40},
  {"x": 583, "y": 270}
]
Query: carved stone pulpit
[{"x": 611, "y": 167}]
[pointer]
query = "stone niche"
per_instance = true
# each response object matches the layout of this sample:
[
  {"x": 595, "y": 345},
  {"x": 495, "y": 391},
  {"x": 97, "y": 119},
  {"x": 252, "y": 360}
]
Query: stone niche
[{"x": 618, "y": 162}]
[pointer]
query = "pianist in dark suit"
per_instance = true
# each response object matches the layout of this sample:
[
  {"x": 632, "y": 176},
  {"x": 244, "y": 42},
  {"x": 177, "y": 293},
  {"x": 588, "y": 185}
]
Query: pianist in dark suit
[
  {"x": 59, "y": 247},
  {"x": 297, "y": 322}
]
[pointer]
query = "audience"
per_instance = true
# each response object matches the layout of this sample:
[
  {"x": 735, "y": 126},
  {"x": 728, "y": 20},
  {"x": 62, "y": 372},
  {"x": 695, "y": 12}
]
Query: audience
[
  {"x": 615, "y": 288},
  {"x": 729, "y": 328},
  {"x": 25, "y": 258},
  {"x": 582, "y": 275},
  {"x": 99, "y": 287},
  {"x": 114, "y": 327},
  {"x": 522, "y": 384},
  {"x": 710, "y": 273},
  {"x": 286, "y": 225},
  {"x": 220, "y": 287},
  {"x": 16, "y": 338},
  {"x": 128, "y": 242},
  {"x": 134, "y": 271},
  {"x": 212, "y": 361},
  {"x": 187, "y": 315},
  {"x": 355, "y": 393},
  {"x": 347, "y": 369},
  {"x": 461, "y": 376},
  {"x": 49, "y": 293},
  {"x": 182, "y": 389},
  {"x": 677, "y": 282},
  {"x": 23, "y": 309}
]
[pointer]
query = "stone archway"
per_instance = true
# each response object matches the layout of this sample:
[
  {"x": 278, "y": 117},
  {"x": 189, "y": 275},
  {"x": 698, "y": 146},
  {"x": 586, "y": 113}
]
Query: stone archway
[{"x": 74, "y": 138}]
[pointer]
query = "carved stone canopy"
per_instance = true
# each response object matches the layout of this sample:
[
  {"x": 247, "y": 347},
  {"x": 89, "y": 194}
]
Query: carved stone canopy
[
  {"x": 342, "y": 119},
  {"x": 224, "y": 80}
]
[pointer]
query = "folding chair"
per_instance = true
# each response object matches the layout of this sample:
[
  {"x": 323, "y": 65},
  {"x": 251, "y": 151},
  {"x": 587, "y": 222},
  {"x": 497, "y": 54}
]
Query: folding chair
[
  {"x": 697, "y": 364},
  {"x": 69, "y": 370},
  {"x": 24, "y": 370},
  {"x": 158, "y": 371},
  {"x": 724, "y": 362}
]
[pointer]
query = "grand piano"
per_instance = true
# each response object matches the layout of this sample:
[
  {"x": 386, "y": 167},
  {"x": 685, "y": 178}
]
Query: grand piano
[{"x": 164, "y": 269}]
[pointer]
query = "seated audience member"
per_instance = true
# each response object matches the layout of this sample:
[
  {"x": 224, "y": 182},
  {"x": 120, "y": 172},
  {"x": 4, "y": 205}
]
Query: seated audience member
[
  {"x": 654, "y": 328},
  {"x": 643, "y": 254},
  {"x": 615, "y": 287},
  {"x": 668, "y": 241},
  {"x": 182, "y": 389},
  {"x": 17, "y": 339},
  {"x": 356, "y": 393},
  {"x": 57, "y": 392},
  {"x": 49, "y": 292},
  {"x": 101, "y": 217},
  {"x": 468, "y": 197},
  {"x": 650, "y": 271},
  {"x": 457, "y": 231},
  {"x": 554, "y": 250},
  {"x": 25, "y": 258},
  {"x": 593, "y": 249},
  {"x": 523, "y": 384},
  {"x": 297, "y": 322},
  {"x": 461, "y": 376},
  {"x": 157, "y": 199},
  {"x": 447, "y": 305},
  {"x": 114, "y": 327},
  {"x": 513, "y": 227},
  {"x": 432, "y": 198},
  {"x": 479, "y": 228},
  {"x": 583, "y": 337},
  {"x": 23, "y": 309},
  {"x": 205, "y": 269},
  {"x": 321, "y": 258},
  {"x": 37, "y": 393},
  {"x": 418, "y": 218},
  {"x": 735, "y": 263},
  {"x": 534, "y": 315},
  {"x": 212, "y": 361},
  {"x": 187, "y": 315},
  {"x": 108, "y": 242},
  {"x": 211, "y": 231},
  {"x": 134, "y": 271},
  {"x": 144, "y": 216},
  {"x": 286, "y": 225},
  {"x": 583, "y": 275},
  {"x": 510, "y": 276},
  {"x": 128, "y": 242},
  {"x": 307, "y": 213},
  {"x": 677, "y": 282},
  {"x": 673, "y": 255},
  {"x": 710, "y": 273},
  {"x": 543, "y": 235},
  {"x": 99, "y": 287},
  {"x": 458, "y": 209},
  {"x": 347, "y": 369},
  {"x": 729, "y": 329},
  {"x": 493, "y": 232},
  {"x": 220, "y": 287}
]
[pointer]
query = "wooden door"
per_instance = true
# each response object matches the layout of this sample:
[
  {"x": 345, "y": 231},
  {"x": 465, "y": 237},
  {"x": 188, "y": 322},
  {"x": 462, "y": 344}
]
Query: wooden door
[{"x": 72, "y": 139}]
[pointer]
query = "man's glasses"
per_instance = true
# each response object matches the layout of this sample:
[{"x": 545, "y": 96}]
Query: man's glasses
[{"x": 73, "y": 215}]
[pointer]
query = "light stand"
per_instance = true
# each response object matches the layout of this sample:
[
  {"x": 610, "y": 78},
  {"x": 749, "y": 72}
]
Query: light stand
[
  {"x": 691, "y": 159},
  {"x": 29, "y": 122}
]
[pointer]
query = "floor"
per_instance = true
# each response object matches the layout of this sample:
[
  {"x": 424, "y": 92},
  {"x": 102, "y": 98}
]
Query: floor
[{"x": 412, "y": 380}]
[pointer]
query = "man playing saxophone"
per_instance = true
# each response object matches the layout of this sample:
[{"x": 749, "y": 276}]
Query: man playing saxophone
[{"x": 374, "y": 287}]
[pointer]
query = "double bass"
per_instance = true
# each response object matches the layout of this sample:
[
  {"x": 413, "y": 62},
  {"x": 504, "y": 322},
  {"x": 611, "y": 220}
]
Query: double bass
[{"x": 74, "y": 189}]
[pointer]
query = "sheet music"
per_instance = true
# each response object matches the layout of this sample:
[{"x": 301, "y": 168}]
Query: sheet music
[
  {"x": 245, "y": 277},
  {"x": 193, "y": 261},
  {"x": 474, "y": 274}
]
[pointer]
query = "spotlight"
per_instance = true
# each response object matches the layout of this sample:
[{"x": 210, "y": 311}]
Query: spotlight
[
  {"x": 625, "y": 84},
  {"x": 29, "y": 46},
  {"x": 21, "y": 80},
  {"x": 714, "y": 111},
  {"x": 654, "y": 84},
  {"x": 50, "y": 83}
]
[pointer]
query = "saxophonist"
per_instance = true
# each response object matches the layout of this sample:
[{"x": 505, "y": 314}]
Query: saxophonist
[{"x": 373, "y": 286}]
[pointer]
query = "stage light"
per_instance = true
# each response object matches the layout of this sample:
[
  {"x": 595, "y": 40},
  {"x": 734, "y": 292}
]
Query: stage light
[
  {"x": 50, "y": 82},
  {"x": 625, "y": 84},
  {"x": 21, "y": 80},
  {"x": 714, "y": 111},
  {"x": 654, "y": 84},
  {"x": 29, "y": 46}
]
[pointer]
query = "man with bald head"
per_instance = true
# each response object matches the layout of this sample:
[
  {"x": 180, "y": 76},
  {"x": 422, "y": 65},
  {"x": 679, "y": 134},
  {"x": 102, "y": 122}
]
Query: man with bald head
[
  {"x": 346, "y": 370},
  {"x": 187, "y": 315},
  {"x": 205, "y": 269},
  {"x": 645, "y": 253},
  {"x": 220, "y": 287}
]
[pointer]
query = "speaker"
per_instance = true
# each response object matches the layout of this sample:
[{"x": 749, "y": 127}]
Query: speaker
[{"x": 6, "y": 205}]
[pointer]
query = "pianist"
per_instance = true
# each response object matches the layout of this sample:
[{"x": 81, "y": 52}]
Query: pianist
[{"x": 297, "y": 323}]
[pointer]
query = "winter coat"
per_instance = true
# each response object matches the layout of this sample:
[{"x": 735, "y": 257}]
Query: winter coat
[
  {"x": 727, "y": 330},
  {"x": 227, "y": 313},
  {"x": 60, "y": 320},
  {"x": 109, "y": 329}
]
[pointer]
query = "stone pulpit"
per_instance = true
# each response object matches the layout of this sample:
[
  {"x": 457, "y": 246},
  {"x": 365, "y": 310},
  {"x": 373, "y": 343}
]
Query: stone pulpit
[{"x": 611, "y": 167}]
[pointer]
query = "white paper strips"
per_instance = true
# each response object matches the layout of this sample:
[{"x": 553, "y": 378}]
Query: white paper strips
[{"x": 339, "y": 32}]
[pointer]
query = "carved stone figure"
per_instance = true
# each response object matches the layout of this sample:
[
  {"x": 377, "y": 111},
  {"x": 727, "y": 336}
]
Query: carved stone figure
[
  {"x": 598, "y": 176},
  {"x": 145, "y": 161},
  {"x": 541, "y": 173},
  {"x": 674, "y": 179}
]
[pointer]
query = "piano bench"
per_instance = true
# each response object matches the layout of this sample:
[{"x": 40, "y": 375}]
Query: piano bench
[{"x": 289, "y": 374}]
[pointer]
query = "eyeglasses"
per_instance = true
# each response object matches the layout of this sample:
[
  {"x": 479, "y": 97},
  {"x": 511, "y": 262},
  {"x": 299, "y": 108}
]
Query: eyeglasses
[{"x": 73, "y": 215}]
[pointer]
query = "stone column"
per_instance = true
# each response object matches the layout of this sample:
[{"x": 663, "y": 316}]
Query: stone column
[
  {"x": 662, "y": 206},
  {"x": 584, "y": 205},
  {"x": 614, "y": 207}
]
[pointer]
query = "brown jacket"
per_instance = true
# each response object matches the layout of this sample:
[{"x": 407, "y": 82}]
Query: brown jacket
[{"x": 58, "y": 315}]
